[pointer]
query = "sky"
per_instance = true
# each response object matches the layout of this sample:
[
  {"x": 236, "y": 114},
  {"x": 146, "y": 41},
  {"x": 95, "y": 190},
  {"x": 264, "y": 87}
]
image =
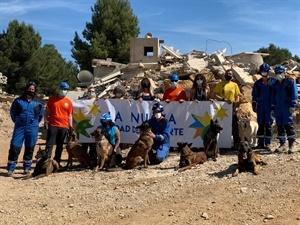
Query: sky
[{"x": 185, "y": 25}]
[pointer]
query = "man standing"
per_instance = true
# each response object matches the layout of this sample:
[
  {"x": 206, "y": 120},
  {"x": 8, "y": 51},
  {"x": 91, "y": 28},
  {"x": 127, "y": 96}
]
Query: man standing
[
  {"x": 58, "y": 119},
  {"x": 175, "y": 92},
  {"x": 229, "y": 92},
  {"x": 261, "y": 104},
  {"x": 284, "y": 102},
  {"x": 26, "y": 113}
]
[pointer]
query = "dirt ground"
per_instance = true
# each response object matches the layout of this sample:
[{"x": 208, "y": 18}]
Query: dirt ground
[{"x": 207, "y": 194}]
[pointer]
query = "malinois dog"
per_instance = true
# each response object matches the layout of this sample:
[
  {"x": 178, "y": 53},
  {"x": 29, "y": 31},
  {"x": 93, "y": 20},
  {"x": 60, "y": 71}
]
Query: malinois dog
[
  {"x": 104, "y": 149},
  {"x": 44, "y": 165},
  {"x": 210, "y": 140},
  {"x": 247, "y": 159},
  {"x": 188, "y": 158},
  {"x": 75, "y": 150},
  {"x": 140, "y": 149}
]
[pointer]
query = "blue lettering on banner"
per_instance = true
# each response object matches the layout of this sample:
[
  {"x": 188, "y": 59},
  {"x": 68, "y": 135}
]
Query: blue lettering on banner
[
  {"x": 172, "y": 119},
  {"x": 177, "y": 131},
  {"x": 118, "y": 117},
  {"x": 139, "y": 116}
]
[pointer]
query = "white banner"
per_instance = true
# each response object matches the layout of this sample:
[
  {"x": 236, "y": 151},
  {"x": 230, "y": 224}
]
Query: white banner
[{"x": 189, "y": 120}]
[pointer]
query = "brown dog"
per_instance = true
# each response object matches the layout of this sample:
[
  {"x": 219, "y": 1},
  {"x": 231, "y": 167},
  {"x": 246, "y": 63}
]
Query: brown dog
[
  {"x": 104, "y": 149},
  {"x": 140, "y": 149},
  {"x": 44, "y": 165},
  {"x": 75, "y": 150},
  {"x": 188, "y": 158},
  {"x": 247, "y": 159}
]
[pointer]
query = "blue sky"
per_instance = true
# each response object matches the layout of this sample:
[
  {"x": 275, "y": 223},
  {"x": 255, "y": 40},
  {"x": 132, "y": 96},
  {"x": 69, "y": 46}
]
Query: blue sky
[{"x": 207, "y": 25}]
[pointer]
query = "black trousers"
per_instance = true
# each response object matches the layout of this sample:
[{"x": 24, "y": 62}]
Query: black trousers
[{"x": 56, "y": 135}]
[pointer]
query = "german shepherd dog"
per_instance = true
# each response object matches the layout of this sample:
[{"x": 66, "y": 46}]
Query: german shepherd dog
[
  {"x": 188, "y": 158},
  {"x": 75, "y": 150},
  {"x": 140, "y": 149},
  {"x": 210, "y": 140},
  {"x": 44, "y": 165},
  {"x": 104, "y": 149},
  {"x": 247, "y": 159}
]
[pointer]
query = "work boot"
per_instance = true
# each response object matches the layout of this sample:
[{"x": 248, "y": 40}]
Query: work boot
[
  {"x": 281, "y": 148},
  {"x": 268, "y": 147},
  {"x": 10, "y": 173},
  {"x": 291, "y": 148},
  {"x": 260, "y": 146}
]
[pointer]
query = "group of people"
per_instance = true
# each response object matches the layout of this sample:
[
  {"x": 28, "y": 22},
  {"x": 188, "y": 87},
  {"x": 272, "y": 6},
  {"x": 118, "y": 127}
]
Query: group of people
[
  {"x": 275, "y": 99},
  {"x": 272, "y": 98}
]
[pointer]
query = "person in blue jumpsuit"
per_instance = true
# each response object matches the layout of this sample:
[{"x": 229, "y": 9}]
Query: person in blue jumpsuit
[
  {"x": 26, "y": 113},
  {"x": 161, "y": 133},
  {"x": 261, "y": 104},
  {"x": 112, "y": 133},
  {"x": 284, "y": 101}
]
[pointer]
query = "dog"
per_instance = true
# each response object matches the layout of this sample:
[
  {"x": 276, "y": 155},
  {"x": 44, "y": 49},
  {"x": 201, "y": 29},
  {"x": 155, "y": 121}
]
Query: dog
[
  {"x": 248, "y": 129},
  {"x": 248, "y": 160},
  {"x": 75, "y": 150},
  {"x": 188, "y": 158},
  {"x": 44, "y": 166},
  {"x": 104, "y": 149},
  {"x": 210, "y": 140},
  {"x": 140, "y": 149}
]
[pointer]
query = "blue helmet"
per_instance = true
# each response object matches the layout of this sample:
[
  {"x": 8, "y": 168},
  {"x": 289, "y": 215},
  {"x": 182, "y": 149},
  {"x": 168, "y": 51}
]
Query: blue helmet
[
  {"x": 158, "y": 106},
  {"x": 279, "y": 69},
  {"x": 64, "y": 85},
  {"x": 105, "y": 118},
  {"x": 174, "y": 77},
  {"x": 264, "y": 67}
]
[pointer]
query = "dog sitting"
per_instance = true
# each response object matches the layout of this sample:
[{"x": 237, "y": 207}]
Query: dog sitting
[
  {"x": 75, "y": 150},
  {"x": 140, "y": 149},
  {"x": 188, "y": 158},
  {"x": 210, "y": 140},
  {"x": 248, "y": 129},
  {"x": 44, "y": 165},
  {"x": 248, "y": 160},
  {"x": 104, "y": 149}
]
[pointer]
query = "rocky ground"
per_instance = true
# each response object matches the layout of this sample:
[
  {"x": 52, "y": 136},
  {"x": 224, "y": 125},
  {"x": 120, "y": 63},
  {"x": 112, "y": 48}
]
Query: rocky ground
[{"x": 207, "y": 194}]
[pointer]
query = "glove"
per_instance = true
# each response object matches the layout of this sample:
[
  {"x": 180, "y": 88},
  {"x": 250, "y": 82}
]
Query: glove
[
  {"x": 70, "y": 129},
  {"x": 46, "y": 126},
  {"x": 292, "y": 110}
]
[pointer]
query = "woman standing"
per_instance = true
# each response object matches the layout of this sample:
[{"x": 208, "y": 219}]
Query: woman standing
[{"x": 200, "y": 89}]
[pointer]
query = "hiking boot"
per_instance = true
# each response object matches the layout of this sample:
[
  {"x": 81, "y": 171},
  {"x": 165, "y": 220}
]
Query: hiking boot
[
  {"x": 26, "y": 172},
  {"x": 268, "y": 147},
  {"x": 260, "y": 146},
  {"x": 281, "y": 148},
  {"x": 10, "y": 173},
  {"x": 291, "y": 148}
]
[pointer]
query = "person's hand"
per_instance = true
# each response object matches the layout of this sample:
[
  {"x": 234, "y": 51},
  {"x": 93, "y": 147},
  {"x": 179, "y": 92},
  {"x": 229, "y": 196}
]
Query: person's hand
[
  {"x": 167, "y": 100},
  {"x": 46, "y": 126},
  {"x": 181, "y": 101},
  {"x": 196, "y": 101},
  {"x": 141, "y": 99},
  {"x": 212, "y": 100},
  {"x": 70, "y": 129},
  {"x": 228, "y": 101},
  {"x": 151, "y": 134},
  {"x": 292, "y": 110}
]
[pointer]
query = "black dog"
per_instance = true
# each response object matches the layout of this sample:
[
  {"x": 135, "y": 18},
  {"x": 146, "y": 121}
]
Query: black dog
[{"x": 210, "y": 141}]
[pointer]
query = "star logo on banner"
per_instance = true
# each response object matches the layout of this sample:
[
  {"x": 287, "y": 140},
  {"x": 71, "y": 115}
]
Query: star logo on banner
[
  {"x": 94, "y": 109},
  {"x": 201, "y": 124},
  {"x": 220, "y": 112},
  {"x": 81, "y": 123}
]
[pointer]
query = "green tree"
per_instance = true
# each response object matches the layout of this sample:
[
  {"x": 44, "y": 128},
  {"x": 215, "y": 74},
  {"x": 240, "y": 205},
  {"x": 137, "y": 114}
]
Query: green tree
[
  {"x": 22, "y": 59},
  {"x": 276, "y": 55},
  {"x": 108, "y": 35}
]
